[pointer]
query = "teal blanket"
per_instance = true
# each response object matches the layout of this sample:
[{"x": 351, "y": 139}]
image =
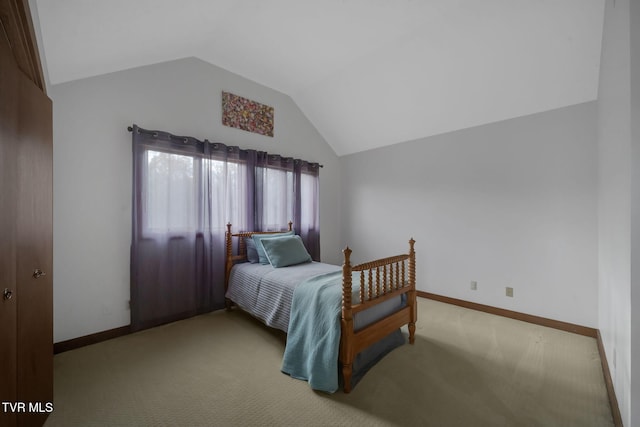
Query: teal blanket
[{"x": 313, "y": 338}]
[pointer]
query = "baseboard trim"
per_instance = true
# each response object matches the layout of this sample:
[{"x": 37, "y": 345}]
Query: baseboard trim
[
  {"x": 556, "y": 324},
  {"x": 74, "y": 343}
]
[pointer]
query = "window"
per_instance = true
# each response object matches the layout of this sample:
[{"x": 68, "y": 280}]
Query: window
[
  {"x": 227, "y": 189},
  {"x": 277, "y": 197},
  {"x": 185, "y": 191},
  {"x": 188, "y": 193},
  {"x": 170, "y": 192}
]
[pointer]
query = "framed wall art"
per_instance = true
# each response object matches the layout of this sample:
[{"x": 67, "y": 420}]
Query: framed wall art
[{"x": 245, "y": 114}]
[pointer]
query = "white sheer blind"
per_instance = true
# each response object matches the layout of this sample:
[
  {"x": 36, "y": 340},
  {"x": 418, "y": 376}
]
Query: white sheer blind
[
  {"x": 173, "y": 184},
  {"x": 309, "y": 207},
  {"x": 171, "y": 196},
  {"x": 277, "y": 198},
  {"x": 228, "y": 194}
]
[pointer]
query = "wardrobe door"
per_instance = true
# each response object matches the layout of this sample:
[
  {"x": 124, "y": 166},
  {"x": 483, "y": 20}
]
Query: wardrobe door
[
  {"x": 34, "y": 253},
  {"x": 26, "y": 229},
  {"x": 9, "y": 88}
]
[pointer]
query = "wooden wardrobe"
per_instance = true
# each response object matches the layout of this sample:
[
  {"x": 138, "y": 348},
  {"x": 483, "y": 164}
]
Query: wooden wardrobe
[{"x": 26, "y": 225}]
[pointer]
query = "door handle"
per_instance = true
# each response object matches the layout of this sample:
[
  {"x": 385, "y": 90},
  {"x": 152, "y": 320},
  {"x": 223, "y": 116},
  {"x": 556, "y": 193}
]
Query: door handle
[
  {"x": 38, "y": 273},
  {"x": 7, "y": 294}
]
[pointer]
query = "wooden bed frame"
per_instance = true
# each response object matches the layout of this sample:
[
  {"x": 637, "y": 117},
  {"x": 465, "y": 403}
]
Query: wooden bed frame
[{"x": 383, "y": 279}]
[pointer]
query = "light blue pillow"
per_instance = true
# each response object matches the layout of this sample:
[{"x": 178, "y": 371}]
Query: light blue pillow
[
  {"x": 285, "y": 251},
  {"x": 252, "y": 252},
  {"x": 258, "y": 238}
]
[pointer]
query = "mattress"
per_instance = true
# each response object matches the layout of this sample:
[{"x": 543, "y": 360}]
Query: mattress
[{"x": 266, "y": 292}]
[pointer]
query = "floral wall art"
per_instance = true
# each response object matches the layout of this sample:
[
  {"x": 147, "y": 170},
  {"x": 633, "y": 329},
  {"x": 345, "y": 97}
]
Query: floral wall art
[{"x": 245, "y": 114}]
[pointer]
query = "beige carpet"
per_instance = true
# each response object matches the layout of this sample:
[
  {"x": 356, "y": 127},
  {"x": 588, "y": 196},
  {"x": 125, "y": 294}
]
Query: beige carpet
[{"x": 467, "y": 368}]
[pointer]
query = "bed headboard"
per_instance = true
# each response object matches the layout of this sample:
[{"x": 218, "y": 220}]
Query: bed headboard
[{"x": 241, "y": 255}]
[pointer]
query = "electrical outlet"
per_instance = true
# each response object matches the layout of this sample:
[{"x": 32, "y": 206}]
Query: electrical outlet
[
  {"x": 474, "y": 285},
  {"x": 509, "y": 291}
]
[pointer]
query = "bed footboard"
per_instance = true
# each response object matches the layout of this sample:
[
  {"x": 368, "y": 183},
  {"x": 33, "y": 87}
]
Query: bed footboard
[{"x": 380, "y": 280}]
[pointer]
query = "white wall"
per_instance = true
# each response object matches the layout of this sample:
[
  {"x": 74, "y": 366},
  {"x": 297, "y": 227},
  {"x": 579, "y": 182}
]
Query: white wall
[
  {"x": 506, "y": 204},
  {"x": 92, "y": 173},
  {"x": 634, "y": 357},
  {"x": 614, "y": 201}
]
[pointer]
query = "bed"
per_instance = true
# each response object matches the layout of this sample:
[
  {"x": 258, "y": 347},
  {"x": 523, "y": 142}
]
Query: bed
[{"x": 364, "y": 306}]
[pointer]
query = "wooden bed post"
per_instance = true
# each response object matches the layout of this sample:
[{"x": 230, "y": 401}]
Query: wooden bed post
[
  {"x": 346, "y": 336},
  {"x": 413, "y": 314},
  {"x": 229, "y": 263}
]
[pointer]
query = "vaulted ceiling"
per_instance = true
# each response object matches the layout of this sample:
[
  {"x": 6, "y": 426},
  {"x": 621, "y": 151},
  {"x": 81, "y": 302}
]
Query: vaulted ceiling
[{"x": 367, "y": 73}]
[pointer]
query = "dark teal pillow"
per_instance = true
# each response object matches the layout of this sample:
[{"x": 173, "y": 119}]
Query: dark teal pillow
[
  {"x": 258, "y": 238},
  {"x": 285, "y": 251}
]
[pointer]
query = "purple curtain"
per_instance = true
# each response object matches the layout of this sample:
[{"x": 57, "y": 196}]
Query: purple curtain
[{"x": 185, "y": 191}]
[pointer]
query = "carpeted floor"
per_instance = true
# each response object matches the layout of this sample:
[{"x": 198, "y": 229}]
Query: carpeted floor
[{"x": 467, "y": 368}]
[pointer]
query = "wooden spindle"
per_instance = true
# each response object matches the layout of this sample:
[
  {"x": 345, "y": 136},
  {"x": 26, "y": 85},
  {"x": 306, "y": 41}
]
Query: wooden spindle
[
  {"x": 346, "y": 285},
  {"x": 229, "y": 264},
  {"x": 403, "y": 275},
  {"x": 412, "y": 303},
  {"x": 361, "y": 287},
  {"x": 394, "y": 280},
  {"x": 346, "y": 323},
  {"x": 370, "y": 284},
  {"x": 384, "y": 281},
  {"x": 397, "y": 275}
]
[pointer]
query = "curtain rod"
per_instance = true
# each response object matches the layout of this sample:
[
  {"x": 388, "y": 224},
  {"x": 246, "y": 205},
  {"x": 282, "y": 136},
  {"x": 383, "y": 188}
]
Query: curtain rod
[{"x": 130, "y": 129}]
